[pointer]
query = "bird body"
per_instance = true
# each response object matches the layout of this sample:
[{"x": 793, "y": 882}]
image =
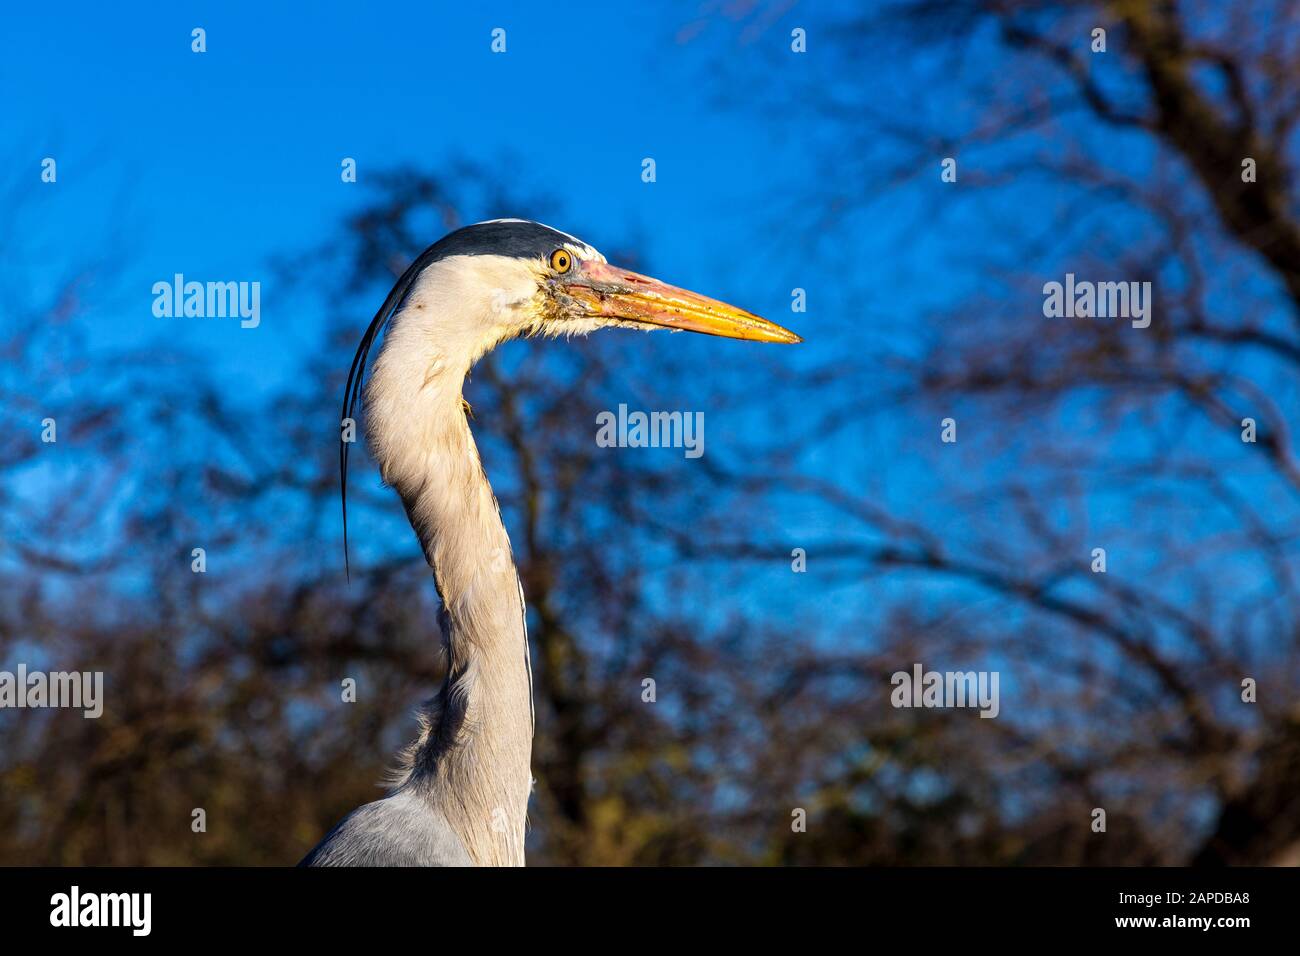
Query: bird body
[
  {"x": 461, "y": 792},
  {"x": 404, "y": 829}
]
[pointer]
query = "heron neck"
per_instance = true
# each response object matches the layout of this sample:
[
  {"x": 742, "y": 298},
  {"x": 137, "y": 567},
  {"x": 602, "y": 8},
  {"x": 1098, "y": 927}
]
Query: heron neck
[{"x": 474, "y": 760}]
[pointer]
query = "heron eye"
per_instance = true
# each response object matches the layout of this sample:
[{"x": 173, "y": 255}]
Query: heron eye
[{"x": 561, "y": 260}]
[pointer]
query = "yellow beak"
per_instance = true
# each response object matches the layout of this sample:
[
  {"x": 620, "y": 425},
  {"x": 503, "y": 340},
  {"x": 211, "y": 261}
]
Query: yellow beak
[{"x": 605, "y": 291}]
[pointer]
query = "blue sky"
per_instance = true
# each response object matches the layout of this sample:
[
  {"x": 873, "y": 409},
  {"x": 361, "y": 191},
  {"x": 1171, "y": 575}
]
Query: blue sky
[{"x": 212, "y": 164}]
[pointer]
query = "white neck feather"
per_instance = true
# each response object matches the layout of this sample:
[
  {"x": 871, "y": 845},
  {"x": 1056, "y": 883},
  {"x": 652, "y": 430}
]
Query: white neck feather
[{"x": 472, "y": 760}]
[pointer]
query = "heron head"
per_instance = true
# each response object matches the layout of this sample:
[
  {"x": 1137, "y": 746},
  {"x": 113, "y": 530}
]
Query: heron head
[{"x": 512, "y": 277}]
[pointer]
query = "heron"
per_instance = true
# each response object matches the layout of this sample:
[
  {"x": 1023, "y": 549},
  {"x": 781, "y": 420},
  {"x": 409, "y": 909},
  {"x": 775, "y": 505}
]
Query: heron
[{"x": 459, "y": 795}]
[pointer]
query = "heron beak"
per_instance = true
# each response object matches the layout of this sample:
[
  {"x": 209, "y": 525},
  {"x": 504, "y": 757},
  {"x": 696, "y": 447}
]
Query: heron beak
[{"x": 606, "y": 291}]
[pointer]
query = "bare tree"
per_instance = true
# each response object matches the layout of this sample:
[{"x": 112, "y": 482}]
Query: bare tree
[{"x": 1152, "y": 142}]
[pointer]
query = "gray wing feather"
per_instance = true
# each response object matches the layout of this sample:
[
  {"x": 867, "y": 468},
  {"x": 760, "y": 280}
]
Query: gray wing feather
[{"x": 400, "y": 830}]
